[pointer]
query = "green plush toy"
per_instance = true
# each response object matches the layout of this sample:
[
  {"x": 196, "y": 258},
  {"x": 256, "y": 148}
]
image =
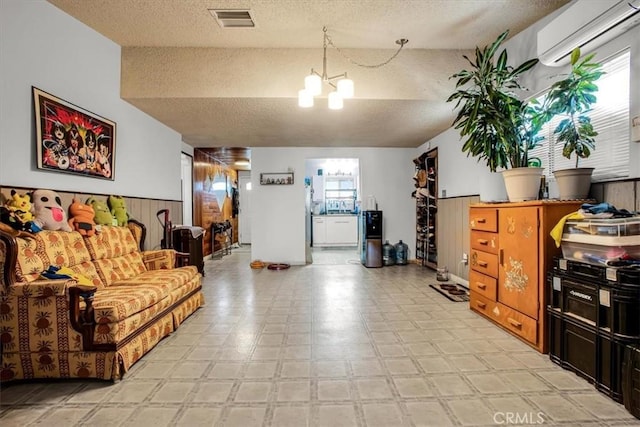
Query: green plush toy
[
  {"x": 119, "y": 209},
  {"x": 102, "y": 214}
]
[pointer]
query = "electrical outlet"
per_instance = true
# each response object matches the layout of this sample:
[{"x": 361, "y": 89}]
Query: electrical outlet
[
  {"x": 444, "y": 193},
  {"x": 465, "y": 258}
]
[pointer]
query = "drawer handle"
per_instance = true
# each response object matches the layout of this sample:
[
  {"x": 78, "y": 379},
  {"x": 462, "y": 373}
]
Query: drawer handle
[
  {"x": 481, "y": 305},
  {"x": 483, "y": 263},
  {"x": 514, "y": 323},
  {"x": 481, "y": 285},
  {"x": 481, "y": 220},
  {"x": 483, "y": 242}
]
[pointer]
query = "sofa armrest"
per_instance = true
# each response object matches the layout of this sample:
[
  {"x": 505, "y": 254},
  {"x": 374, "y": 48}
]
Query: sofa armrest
[
  {"x": 162, "y": 259},
  {"x": 49, "y": 300}
]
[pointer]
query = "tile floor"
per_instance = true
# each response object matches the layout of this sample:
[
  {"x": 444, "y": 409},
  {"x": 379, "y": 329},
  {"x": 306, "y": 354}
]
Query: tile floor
[{"x": 324, "y": 345}]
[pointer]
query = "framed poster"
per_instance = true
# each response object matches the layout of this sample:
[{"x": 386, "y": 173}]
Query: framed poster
[{"x": 73, "y": 140}]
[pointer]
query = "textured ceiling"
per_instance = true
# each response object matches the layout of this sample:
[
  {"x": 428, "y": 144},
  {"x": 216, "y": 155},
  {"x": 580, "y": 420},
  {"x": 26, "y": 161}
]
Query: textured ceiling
[{"x": 238, "y": 87}]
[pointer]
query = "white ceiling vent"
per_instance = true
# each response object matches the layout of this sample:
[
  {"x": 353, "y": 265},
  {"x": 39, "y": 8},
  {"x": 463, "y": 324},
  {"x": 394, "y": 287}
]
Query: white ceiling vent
[{"x": 233, "y": 18}]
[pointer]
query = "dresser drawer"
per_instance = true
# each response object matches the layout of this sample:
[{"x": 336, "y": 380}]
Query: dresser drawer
[
  {"x": 484, "y": 241},
  {"x": 483, "y": 219},
  {"x": 483, "y": 285},
  {"x": 481, "y": 304},
  {"x": 518, "y": 323},
  {"x": 484, "y": 263}
]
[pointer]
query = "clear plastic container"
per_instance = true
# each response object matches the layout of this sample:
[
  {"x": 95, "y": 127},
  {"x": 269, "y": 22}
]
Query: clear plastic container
[
  {"x": 599, "y": 254},
  {"x": 619, "y": 227}
]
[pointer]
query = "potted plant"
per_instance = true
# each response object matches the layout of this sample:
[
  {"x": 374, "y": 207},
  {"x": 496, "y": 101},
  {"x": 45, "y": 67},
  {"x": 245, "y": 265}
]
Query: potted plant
[
  {"x": 572, "y": 98},
  {"x": 497, "y": 125}
]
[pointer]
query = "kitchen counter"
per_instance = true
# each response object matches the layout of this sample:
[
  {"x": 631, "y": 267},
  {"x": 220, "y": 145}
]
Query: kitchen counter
[
  {"x": 336, "y": 214},
  {"x": 335, "y": 230}
]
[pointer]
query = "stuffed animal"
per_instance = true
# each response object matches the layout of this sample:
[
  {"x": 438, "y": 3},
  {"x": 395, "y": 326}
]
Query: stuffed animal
[
  {"x": 21, "y": 206},
  {"x": 102, "y": 215},
  {"x": 48, "y": 210},
  {"x": 17, "y": 213},
  {"x": 118, "y": 209},
  {"x": 82, "y": 218}
]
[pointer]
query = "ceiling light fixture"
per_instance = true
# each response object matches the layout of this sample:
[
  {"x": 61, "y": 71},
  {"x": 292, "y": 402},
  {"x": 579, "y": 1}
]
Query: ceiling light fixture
[
  {"x": 242, "y": 162},
  {"x": 343, "y": 88}
]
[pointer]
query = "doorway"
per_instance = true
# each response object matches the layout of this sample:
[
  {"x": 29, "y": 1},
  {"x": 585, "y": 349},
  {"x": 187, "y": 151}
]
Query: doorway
[
  {"x": 244, "y": 211},
  {"x": 186, "y": 173},
  {"x": 332, "y": 206}
]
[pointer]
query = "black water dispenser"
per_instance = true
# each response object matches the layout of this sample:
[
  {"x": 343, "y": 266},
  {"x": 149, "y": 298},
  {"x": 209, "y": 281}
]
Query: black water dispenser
[{"x": 371, "y": 238}]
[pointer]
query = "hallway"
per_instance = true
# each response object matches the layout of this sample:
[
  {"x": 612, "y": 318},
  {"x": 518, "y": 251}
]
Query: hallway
[{"x": 321, "y": 345}]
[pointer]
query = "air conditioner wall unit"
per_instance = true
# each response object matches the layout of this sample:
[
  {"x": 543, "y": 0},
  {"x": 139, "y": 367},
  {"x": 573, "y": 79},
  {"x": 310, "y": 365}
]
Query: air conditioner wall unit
[{"x": 586, "y": 24}]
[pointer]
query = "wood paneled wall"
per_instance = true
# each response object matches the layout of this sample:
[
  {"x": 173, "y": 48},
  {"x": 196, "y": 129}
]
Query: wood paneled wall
[
  {"x": 206, "y": 209},
  {"x": 621, "y": 194},
  {"x": 143, "y": 210},
  {"x": 453, "y": 233},
  {"x": 453, "y": 220}
]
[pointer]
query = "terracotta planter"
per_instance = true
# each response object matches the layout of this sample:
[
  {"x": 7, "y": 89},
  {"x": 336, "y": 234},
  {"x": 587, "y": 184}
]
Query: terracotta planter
[
  {"x": 522, "y": 183},
  {"x": 573, "y": 183}
]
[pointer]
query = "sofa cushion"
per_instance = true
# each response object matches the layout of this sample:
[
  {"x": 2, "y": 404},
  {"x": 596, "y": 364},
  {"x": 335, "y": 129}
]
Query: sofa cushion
[
  {"x": 120, "y": 311},
  {"x": 120, "y": 268},
  {"x": 112, "y": 304},
  {"x": 178, "y": 281},
  {"x": 56, "y": 248},
  {"x": 111, "y": 242}
]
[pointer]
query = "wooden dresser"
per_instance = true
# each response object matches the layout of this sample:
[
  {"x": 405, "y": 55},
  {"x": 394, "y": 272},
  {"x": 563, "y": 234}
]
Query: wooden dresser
[{"x": 511, "y": 251}]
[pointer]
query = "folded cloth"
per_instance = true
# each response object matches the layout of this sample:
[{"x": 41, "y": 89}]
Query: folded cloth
[
  {"x": 54, "y": 272},
  {"x": 556, "y": 232},
  {"x": 602, "y": 208}
]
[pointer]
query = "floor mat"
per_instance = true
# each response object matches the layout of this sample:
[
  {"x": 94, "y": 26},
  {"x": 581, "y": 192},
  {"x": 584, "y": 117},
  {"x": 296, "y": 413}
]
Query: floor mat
[{"x": 452, "y": 291}]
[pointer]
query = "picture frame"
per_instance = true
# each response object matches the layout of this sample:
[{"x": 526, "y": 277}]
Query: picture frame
[{"x": 70, "y": 139}]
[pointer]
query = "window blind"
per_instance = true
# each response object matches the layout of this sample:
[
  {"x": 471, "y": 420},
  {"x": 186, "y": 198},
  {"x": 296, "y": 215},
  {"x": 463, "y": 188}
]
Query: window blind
[{"x": 610, "y": 118}]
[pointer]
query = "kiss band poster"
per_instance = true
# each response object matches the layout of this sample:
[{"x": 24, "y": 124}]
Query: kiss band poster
[{"x": 70, "y": 139}]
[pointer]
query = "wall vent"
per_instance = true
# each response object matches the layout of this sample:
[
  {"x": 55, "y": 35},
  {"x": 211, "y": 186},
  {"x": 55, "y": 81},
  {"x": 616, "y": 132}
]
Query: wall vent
[{"x": 233, "y": 18}]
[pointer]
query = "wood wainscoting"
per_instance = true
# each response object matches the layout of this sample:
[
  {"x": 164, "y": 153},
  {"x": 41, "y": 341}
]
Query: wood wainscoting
[
  {"x": 141, "y": 209},
  {"x": 453, "y": 233}
]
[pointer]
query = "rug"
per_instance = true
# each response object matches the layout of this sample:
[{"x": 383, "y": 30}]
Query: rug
[{"x": 452, "y": 291}]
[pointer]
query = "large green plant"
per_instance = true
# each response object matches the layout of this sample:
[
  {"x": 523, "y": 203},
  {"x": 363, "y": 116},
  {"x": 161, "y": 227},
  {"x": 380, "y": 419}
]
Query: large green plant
[
  {"x": 572, "y": 98},
  {"x": 494, "y": 121}
]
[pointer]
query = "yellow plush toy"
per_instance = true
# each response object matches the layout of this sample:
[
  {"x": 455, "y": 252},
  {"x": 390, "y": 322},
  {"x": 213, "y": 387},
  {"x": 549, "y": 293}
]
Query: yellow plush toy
[{"x": 20, "y": 205}]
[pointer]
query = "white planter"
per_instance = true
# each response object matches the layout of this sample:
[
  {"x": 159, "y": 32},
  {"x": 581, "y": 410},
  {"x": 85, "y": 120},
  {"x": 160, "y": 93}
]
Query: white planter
[
  {"x": 573, "y": 183},
  {"x": 522, "y": 183},
  {"x": 492, "y": 187}
]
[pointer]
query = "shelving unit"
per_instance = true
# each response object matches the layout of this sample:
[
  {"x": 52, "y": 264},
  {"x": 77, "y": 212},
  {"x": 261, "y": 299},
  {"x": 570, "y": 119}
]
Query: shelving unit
[{"x": 426, "y": 194}]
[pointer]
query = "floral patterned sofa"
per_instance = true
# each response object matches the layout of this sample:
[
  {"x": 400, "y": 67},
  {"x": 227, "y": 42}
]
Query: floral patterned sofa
[{"x": 61, "y": 328}]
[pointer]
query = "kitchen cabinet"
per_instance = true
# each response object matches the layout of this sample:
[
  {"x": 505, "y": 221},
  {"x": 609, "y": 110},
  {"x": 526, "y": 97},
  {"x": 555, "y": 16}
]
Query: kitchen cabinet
[
  {"x": 511, "y": 251},
  {"x": 319, "y": 230},
  {"x": 335, "y": 230}
]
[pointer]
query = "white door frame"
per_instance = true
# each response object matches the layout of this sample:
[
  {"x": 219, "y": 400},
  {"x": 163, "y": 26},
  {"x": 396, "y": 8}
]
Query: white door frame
[{"x": 244, "y": 211}]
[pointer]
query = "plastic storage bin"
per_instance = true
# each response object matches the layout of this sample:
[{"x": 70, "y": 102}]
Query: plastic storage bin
[
  {"x": 602, "y": 241},
  {"x": 583, "y": 349},
  {"x": 631, "y": 380},
  {"x": 614, "y": 310}
]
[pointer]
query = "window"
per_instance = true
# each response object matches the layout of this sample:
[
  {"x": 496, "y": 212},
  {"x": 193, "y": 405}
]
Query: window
[{"x": 610, "y": 118}]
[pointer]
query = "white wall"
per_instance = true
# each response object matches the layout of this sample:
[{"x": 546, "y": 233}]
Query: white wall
[
  {"x": 277, "y": 223},
  {"x": 43, "y": 47},
  {"x": 462, "y": 176}
]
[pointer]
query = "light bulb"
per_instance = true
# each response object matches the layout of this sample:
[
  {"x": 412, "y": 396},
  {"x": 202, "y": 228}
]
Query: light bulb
[
  {"x": 335, "y": 101},
  {"x": 313, "y": 84},
  {"x": 305, "y": 99},
  {"x": 345, "y": 88}
]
